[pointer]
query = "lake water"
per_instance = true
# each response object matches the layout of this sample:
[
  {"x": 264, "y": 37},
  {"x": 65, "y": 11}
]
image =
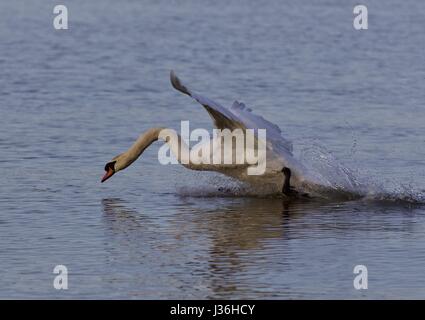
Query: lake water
[{"x": 70, "y": 100}]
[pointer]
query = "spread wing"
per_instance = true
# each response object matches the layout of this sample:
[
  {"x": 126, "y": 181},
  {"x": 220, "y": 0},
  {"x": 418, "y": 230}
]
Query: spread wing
[{"x": 237, "y": 116}]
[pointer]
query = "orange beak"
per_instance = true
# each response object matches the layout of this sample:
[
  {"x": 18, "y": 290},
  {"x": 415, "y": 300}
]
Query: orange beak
[{"x": 108, "y": 174}]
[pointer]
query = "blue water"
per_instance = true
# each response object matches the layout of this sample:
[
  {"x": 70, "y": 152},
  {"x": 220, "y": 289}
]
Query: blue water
[{"x": 70, "y": 100}]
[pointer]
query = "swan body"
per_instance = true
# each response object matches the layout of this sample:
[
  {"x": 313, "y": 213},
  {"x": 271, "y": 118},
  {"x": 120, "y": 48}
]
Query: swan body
[{"x": 278, "y": 150}]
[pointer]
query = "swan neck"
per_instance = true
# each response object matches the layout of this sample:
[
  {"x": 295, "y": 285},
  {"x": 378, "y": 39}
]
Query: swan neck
[
  {"x": 176, "y": 144},
  {"x": 144, "y": 141}
]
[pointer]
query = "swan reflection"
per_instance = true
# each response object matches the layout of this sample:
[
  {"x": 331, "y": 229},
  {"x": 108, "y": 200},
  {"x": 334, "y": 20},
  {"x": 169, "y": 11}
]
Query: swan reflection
[{"x": 227, "y": 235}]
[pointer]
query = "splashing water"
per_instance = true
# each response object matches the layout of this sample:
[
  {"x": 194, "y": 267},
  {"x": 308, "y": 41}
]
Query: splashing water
[
  {"x": 325, "y": 167},
  {"x": 345, "y": 183},
  {"x": 352, "y": 183}
]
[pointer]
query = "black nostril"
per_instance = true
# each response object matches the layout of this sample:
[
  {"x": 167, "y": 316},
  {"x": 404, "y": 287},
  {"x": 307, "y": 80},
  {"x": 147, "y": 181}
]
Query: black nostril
[{"x": 110, "y": 165}]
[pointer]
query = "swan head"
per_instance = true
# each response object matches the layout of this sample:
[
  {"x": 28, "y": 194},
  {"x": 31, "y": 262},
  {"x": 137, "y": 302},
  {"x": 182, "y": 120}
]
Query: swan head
[
  {"x": 110, "y": 170},
  {"x": 116, "y": 164}
]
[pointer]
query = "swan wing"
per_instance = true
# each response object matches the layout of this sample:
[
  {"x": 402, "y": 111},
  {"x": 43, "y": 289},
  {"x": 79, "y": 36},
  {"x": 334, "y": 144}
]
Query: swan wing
[
  {"x": 253, "y": 121},
  {"x": 221, "y": 116},
  {"x": 237, "y": 116}
]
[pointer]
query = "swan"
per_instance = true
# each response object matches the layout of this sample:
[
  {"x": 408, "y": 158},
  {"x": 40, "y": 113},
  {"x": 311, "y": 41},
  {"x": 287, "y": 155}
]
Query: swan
[{"x": 283, "y": 172}]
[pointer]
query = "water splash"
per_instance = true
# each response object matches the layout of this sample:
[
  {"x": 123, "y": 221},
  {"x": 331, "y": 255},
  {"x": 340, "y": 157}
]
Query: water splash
[
  {"x": 354, "y": 183},
  {"x": 343, "y": 182},
  {"x": 324, "y": 165}
]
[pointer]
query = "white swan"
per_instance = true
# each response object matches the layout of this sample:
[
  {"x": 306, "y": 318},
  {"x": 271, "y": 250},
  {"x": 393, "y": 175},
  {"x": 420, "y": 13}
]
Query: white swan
[{"x": 280, "y": 165}]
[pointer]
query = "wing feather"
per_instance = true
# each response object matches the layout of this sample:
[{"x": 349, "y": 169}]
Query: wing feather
[{"x": 238, "y": 116}]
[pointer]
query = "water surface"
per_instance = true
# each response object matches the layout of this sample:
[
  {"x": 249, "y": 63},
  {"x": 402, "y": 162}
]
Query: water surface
[{"x": 71, "y": 100}]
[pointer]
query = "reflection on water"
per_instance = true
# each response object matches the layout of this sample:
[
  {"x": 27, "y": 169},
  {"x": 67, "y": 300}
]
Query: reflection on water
[{"x": 246, "y": 248}]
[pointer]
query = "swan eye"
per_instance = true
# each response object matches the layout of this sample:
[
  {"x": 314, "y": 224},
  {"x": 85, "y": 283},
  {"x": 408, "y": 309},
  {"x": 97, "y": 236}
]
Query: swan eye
[{"x": 110, "y": 165}]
